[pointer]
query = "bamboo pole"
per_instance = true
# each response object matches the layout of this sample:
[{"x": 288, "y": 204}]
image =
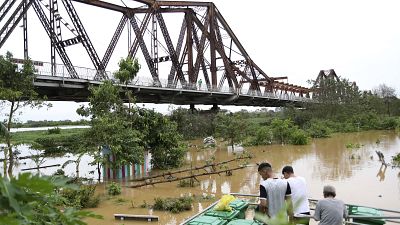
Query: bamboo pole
[
  {"x": 189, "y": 169},
  {"x": 40, "y": 167},
  {"x": 183, "y": 178}
]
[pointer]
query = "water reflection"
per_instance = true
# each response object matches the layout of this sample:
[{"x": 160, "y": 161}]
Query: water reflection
[{"x": 381, "y": 172}]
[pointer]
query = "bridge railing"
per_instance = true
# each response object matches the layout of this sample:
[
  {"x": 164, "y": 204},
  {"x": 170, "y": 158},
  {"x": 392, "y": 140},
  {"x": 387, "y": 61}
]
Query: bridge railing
[{"x": 89, "y": 74}]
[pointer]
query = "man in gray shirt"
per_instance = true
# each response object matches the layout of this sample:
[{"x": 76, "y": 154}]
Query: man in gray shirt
[{"x": 330, "y": 211}]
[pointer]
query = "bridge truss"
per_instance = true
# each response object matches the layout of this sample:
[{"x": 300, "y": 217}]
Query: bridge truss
[{"x": 206, "y": 48}]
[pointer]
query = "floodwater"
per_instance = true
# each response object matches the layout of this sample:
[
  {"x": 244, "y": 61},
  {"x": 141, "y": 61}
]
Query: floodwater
[{"x": 358, "y": 178}]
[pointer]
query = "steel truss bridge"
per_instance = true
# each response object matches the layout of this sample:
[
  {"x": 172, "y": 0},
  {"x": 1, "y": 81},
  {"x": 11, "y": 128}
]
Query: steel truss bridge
[{"x": 206, "y": 50}]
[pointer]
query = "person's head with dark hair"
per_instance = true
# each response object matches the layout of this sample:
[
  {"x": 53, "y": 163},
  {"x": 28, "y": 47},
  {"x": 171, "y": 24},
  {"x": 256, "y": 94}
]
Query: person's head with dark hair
[
  {"x": 329, "y": 191},
  {"x": 265, "y": 170},
  {"x": 287, "y": 172}
]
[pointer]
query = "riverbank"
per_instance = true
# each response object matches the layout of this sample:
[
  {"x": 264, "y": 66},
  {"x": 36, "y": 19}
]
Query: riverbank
[{"x": 19, "y": 136}]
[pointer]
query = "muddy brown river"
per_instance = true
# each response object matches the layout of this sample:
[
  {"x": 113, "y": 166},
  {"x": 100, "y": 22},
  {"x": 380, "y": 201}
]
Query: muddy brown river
[{"x": 358, "y": 178}]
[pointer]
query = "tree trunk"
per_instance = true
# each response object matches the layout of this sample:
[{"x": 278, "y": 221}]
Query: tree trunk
[
  {"x": 8, "y": 140},
  {"x": 98, "y": 171},
  {"x": 232, "y": 145}
]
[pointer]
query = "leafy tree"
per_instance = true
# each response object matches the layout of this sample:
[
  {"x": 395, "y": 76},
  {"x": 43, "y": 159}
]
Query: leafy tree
[
  {"x": 230, "y": 127},
  {"x": 387, "y": 94},
  {"x": 17, "y": 90},
  {"x": 337, "y": 98},
  {"x": 193, "y": 125},
  {"x": 161, "y": 139},
  {"x": 128, "y": 69},
  {"x": 299, "y": 137},
  {"x": 282, "y": 129},
  {"x": 111, "y": 128},
  {"x": 31, "y": 200}
]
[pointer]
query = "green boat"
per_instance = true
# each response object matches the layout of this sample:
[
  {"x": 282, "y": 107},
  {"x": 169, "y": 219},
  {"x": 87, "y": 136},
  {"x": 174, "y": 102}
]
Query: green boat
[{"x": 357, "y": 215}]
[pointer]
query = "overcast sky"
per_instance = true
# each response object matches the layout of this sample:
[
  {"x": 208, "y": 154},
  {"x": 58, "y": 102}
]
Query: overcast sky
[{"x": 359, "y": 39}]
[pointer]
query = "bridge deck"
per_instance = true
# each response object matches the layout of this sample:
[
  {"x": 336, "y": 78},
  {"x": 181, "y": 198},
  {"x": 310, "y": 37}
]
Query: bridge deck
[{"x": 68, "y": 89}]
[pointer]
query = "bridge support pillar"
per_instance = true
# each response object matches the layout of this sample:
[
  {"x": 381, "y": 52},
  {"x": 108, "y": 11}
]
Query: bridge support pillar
[
  {"x": 192, "y": 108},
  {"x": 215, "y": 108}
]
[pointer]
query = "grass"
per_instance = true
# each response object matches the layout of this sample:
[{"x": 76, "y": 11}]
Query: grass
[{"x": 29, "y": 137}]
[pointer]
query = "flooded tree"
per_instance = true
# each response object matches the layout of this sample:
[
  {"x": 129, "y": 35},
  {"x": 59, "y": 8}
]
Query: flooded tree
[
  {"x": 111, "y": 128},
  {"x": 127, "y": 131},
  {"x": 17, "y": 90},
  {"x": 230, "y": 127},
  {"x": 387, "y": 93}
]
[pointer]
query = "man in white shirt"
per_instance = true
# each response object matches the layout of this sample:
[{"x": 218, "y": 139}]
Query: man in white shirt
[
  {"x": 274, "y": 192},
  {"x": 299, "y": 194}
]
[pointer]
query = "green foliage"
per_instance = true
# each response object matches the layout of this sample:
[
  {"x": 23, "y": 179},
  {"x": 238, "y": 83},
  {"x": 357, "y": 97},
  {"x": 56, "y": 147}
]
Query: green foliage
[
  {"x": 17, "y": 90},
  {"x": 16, "y": 83},
  {"x": 299, "y": 137},
  {"x": 33, "y": 137},
  {"x": 45, "y": 123},
  {"x": 59, "y": 144},
  {"x": 31, "y": 200},
  {"x": 114, "y": 188},
  {"x": 318, "y": 129},
  {"x": 81, "y": 198},
  {"x": 174, "y": 205},
  {"x": 161, "y": 138},
  {"x": 193, "y": 125},
  {"x": 55, "y": 130},
  {"x": 190, "y": 182},
  {"x": 282, "y": 130},
  {"x": 128, "y": 69},
  {"x": 396, "y": 160},
  {"x": 262, "y": 136},
  {"x": 352, "y": 145},
  {"x": 230, "y": 127}
]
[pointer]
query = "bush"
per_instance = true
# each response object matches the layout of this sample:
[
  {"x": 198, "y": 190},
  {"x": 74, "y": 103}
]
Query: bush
[
  {"x": 396, "y": 160},
  {"x": 174, "y": 205},
  {"x": 318, "y": 129},
  {"x": 263, "y": 136},
  {"x": 114, "y": 189},
  {"x": 191, "y": 182},
  {"x": 299, "y": 137},
  {"x": 82, "y": 198},
  {"x": 388, "y": 123},
  {"x": 55, "y": 130}
]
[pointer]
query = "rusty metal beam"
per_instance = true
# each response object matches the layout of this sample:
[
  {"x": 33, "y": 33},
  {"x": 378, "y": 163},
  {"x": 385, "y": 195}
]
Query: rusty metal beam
[
  {"x": 145, "y": 51},
  {"x": 218, "y": 48},
  {"x": 171, "y": 76},
  {"x": 135, "y": 46},
  {"x": 202, "y": 63},
  {"x": 183, "y": 3},
  {"x": 171, "y": 49},
  {"x": 104, "y": 5},
  {"x": 212, "y": 40},
  {"x": 200, "y": 46},
  {"x": 161, "y": 10},
  {"x": 189, "y": 44}
]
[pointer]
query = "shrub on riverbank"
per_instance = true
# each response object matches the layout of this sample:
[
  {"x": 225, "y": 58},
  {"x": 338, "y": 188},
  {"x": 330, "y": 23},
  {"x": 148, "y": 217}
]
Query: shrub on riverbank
[
  {"x": 114, "y": 189},
  {"x": 55, "y": 130},
  {"x": 396, "y": 160},
  {"x": 82, "y": 198},
  {"x": 174, "y": 205},
  {"x": 318, "y": 129},
  {"x": 299, "y": 137}
]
